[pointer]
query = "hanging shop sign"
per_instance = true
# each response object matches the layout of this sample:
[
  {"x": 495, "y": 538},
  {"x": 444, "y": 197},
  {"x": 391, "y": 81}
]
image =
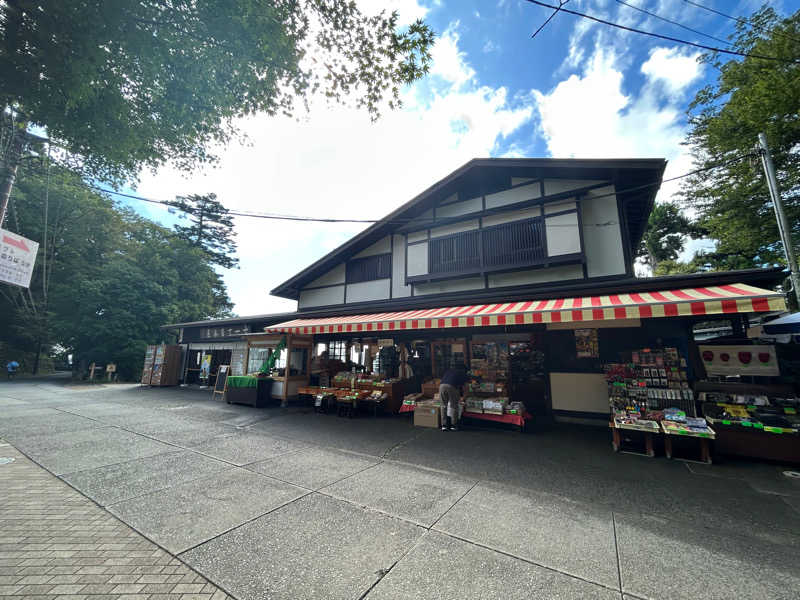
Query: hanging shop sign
[
  {"x": 205, "y": 367},
  {"x": 586, "y": 344},
  {"x": 740, "y": 360},
  {"x": 17, "y": 257}
]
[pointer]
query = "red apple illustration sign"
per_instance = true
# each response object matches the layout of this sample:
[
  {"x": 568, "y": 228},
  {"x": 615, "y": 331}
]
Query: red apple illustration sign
[
  {"x": 17, "y": 257},
  {"x": 740, "y": 360}
]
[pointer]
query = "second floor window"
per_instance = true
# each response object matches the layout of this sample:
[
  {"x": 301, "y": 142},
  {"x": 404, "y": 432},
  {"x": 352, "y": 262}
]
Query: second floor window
[
  {"x": 455, "y": 253},
  {"x": 369, "y": 268},
  {"x": 514, "y": 244}
]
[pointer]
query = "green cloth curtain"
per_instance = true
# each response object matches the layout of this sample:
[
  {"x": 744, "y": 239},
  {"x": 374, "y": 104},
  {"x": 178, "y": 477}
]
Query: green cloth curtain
[{"x": 242, "y": 381}]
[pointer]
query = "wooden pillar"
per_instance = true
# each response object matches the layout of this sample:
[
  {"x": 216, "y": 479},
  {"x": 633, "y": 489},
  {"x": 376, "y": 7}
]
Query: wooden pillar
[{"x": 286, "y": 369}]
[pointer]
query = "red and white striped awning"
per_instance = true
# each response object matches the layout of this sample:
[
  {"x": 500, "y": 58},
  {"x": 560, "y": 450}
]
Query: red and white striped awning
[{"x": 712, "y": 300}]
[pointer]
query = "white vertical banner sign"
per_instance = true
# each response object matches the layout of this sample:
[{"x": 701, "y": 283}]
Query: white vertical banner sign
[{"x": 17, "y": 257}]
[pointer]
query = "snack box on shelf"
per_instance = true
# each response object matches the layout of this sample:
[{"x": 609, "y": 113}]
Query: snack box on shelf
[
  {"x": 622, "y": 422},
  {"x": 676, "y": 428}
]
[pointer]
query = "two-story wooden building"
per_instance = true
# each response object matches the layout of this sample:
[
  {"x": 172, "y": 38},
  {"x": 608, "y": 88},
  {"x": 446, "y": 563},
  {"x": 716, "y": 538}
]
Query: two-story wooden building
[{"x": 522, "y": 268}]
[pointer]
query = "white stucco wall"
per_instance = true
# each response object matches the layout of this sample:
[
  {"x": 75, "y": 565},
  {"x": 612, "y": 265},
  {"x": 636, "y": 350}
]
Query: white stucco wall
[
  {"x": 399, "y": 287},
  {"x": 536, "y": 276},
  {"x": 517, "y": 194},
  {"x": 460, "y": 208},
  {"x": 563, "y": 236},
  {"x": 380, "y": 247},
  {"x": 368, "y": 290},
  {"x": 557, "y": 186},
  {"x": 455, "y": 228},
  {"x": 512, "y": 215},
  {"x": 335, "y": 275},
  {"x": 451, "y": 285},
  {"x": 418, "y": 259},
  {"x": 602, "y": 234},
  {"x": 321, "y": 296}
]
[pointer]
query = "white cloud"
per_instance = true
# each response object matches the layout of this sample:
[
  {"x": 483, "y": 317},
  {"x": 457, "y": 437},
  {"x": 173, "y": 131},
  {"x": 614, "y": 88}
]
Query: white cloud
[
  {"x": 408, "y": 11},
  {"x": 673, "y": 69},
  {"x": 449, "y": 62},
  {"x": 335, "y": 163},
  {"x": 490, "y": 47},
  {"x": 589, "y": 115}
]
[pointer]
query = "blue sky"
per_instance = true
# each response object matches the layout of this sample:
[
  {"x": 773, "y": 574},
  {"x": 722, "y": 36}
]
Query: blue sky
[{"x": 579, "y": 89}]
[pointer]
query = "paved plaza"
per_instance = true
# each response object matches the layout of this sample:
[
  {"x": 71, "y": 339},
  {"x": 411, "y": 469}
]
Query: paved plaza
[{"x": 145, "y": 484}]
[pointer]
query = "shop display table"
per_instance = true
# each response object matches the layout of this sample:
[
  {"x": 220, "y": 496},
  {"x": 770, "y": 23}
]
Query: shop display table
[
  {"x": 519, "y": 420},
  {"x": 647, "y": 428},
  {"x": 671, "y": 428},
  {"x": 241, "y": 389},
  {"x": 752, "y": 441}
]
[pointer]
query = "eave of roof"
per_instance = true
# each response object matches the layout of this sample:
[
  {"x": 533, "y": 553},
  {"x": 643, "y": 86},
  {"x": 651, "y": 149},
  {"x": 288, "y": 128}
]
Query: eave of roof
[
  {"x": 289, "y": 288},
  {"x": 758, "y": 277}
]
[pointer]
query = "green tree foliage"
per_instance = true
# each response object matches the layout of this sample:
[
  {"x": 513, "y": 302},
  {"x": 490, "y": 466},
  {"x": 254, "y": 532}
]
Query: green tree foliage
[
  {"x": 132, "y": 83},
  {"x": 107, "y": 281},
  {"x": 210, "y": 229},
  {"x": 665, "y": 236},
  {"x": 750, "y": 95}
]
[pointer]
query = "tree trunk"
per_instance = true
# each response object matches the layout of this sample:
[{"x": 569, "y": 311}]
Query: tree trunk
[
  {"x": 653, "y": 262},
  {"x": 8, "y": 173},
  {"x": 36, "y": 358}
]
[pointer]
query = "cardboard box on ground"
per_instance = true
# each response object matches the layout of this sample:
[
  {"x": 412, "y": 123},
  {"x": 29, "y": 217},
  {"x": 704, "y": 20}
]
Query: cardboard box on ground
[{"x": 428, "y": 414}]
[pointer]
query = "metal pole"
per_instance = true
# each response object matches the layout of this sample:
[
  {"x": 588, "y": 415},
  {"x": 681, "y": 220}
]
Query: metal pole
[{"x": 783, "y": 224}]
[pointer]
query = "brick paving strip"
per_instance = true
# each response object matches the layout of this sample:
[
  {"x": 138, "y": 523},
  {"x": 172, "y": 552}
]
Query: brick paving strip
[{"x": 56, "y": 544}]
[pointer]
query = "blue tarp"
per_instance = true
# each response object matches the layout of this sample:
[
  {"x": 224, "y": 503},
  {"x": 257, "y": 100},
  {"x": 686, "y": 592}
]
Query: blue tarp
[{"x": 787, "y": 324}]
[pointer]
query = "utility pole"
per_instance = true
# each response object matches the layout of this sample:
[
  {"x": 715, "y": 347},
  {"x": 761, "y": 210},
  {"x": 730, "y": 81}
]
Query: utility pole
[{"x": 783, "y": 225}]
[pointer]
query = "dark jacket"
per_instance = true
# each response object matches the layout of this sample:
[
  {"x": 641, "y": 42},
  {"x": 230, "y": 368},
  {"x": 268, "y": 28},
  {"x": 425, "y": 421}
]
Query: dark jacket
[{"x": 455, "y": 377}]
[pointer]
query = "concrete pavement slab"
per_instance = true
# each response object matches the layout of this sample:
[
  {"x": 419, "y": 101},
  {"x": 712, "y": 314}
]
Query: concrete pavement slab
[
  {"x": 443, "y": 568},
  {"x": 43, "y": 421},
  {"x": 244, "y": 447},
  {"x": 313, "y": 468},
  {"x": 419, "y": 495},
  {"x": 192, "y": 434},
  {"x": 365, "y": 435},
  {"x": 99, "y": 452},
  {"x": 731, "y": 505},
  {"x": 113, "y": 483},
  {"x": 41, "y": 442},
  {"x": 183, "y": 516},
  {"x": 762, "y": 477},
  {"x": 314, "y": 548},
  {"x": 549, "y": 530},
  {"x": 662, "y": 558},
  {"x": 794, "y": 502}
]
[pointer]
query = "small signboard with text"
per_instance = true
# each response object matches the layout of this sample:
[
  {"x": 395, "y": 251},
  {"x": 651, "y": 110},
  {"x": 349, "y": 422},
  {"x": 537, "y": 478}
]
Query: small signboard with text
[
  {"x": 17, "y": 257},
  {"x": 740, "y": 360}
]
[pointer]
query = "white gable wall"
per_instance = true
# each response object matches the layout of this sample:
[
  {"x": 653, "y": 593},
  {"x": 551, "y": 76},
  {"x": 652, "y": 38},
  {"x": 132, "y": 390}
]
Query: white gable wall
[
  {"x": 383, "y": 246},
  {"x": 602, "y": 246},
  {"x": 334, "y": 276}
]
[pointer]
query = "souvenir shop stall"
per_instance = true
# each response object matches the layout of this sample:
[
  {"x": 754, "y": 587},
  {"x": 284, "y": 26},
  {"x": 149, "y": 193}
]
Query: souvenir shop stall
[
  {"x": 739, "y": 400},
  {"x": 370, "y": 381},
  {"x": 650, "y": 395},
  {"x": 505, "y": 379},
  {"x": 276, "y": 367},
  {"x": 749, "y": 394}
]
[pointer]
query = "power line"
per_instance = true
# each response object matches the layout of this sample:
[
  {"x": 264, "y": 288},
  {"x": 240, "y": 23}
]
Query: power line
[
  {"x": 742, "y": 21},
  {"x": 542, "y": 26},
  {"x": 676, "y": 23},
  {"x": 665, "y": 37},
  {"x": 280, "y": 217}
]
